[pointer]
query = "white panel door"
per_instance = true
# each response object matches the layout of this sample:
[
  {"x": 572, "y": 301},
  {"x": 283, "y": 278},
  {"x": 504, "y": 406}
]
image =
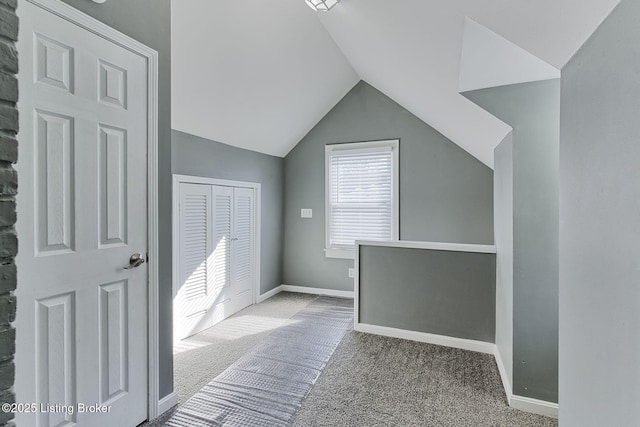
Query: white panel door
[
  {"x": 82, "y": 317},
  {"x": 215, "y": 255}
]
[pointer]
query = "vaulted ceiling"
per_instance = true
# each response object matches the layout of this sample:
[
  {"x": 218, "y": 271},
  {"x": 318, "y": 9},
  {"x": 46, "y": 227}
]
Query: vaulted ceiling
[{"x": 259, "y": 74}]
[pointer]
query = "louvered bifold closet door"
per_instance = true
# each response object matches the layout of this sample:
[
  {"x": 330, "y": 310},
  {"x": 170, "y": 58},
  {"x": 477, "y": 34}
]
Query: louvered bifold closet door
[
  {"x": 361, "y": 196},
  {"x": 220, "y": 264},
  {"x": 192, "y": 299},
  {"x": 216, "y": 255},
  {"x": 243, "y": 247}
]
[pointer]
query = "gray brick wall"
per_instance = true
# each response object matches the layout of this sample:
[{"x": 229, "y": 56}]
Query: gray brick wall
[{"x": 8, "y": 189}]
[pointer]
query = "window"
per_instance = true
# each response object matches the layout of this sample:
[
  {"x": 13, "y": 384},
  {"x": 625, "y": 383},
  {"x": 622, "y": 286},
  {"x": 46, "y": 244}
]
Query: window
[{"x": 361, "y": 194}]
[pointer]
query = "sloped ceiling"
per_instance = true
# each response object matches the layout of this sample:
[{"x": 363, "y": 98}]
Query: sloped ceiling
[
  {"x": 488, "y": 60},
  {"x": 259, "y": 74}
]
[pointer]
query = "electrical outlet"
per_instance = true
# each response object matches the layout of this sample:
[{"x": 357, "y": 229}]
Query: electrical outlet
[
  {"x": 306, "y": 213},
  {"x": 351, "y": 273}
]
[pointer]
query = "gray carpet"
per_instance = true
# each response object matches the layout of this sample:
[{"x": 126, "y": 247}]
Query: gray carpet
[
  {"x": 369, "y": 381},
  {"x": 379, "y": 381},
  {"x": 266, "y": 386}
]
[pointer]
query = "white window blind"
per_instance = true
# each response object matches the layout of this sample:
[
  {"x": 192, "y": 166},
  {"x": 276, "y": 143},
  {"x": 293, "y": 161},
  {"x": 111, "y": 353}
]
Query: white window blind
[{"x": 361, "y": 196}]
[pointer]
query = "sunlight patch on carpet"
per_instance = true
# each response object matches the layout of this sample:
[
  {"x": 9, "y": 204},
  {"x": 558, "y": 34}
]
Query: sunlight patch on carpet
[{"x": 267, "y": 385}]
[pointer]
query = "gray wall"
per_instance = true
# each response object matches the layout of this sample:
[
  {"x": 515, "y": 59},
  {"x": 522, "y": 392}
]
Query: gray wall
[
  {"x": 192, "y": 155},
  {"x": 8, "y": 191},
  {"x": 445, "y": 193},
  {"x": 600, "y": 227},
  {"x": 533, "y": 110},
  {"x": 429, "y": 290},
  {"x": 503, "y": 212},
  {"x": 149, "y": 21}
]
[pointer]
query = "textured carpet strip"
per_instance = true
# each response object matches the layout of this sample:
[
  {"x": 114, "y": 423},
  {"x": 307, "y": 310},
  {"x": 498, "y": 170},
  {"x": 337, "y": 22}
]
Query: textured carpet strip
[{"x": 267, "y": 385}]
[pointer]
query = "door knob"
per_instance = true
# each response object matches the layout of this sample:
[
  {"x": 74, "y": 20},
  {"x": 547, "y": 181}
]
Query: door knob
[{"x": 136, "y": 260}]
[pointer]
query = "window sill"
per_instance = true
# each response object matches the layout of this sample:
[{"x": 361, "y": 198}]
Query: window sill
[{"x": 340, "y": 253}]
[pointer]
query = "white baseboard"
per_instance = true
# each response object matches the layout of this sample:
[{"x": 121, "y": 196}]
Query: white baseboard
[
  {"x": 534, "y": 406},
  {"x": 317, "y": 291},
  {"x": 526, "y": 404},
  {"x": 465, "y": 344},
  {"x": 270, "y": 293},
  {"x": 305, "y": 290},
  {"x": 503, "y": 375},
  {"x": 167, "y": 402}
]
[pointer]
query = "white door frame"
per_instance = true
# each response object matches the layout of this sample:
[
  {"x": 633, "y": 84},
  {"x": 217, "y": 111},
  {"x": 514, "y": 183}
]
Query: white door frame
[
  {"x": 82, "y": 20},
  {"x": 188, "y": 179}
]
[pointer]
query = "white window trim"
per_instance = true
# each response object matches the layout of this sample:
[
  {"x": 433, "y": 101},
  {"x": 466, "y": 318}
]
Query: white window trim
[{"x": 394, "y": 144}]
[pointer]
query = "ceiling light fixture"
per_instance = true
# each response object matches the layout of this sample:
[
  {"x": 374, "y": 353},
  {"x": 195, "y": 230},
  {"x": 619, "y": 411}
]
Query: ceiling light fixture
[{"x": 322, "y": 5}]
